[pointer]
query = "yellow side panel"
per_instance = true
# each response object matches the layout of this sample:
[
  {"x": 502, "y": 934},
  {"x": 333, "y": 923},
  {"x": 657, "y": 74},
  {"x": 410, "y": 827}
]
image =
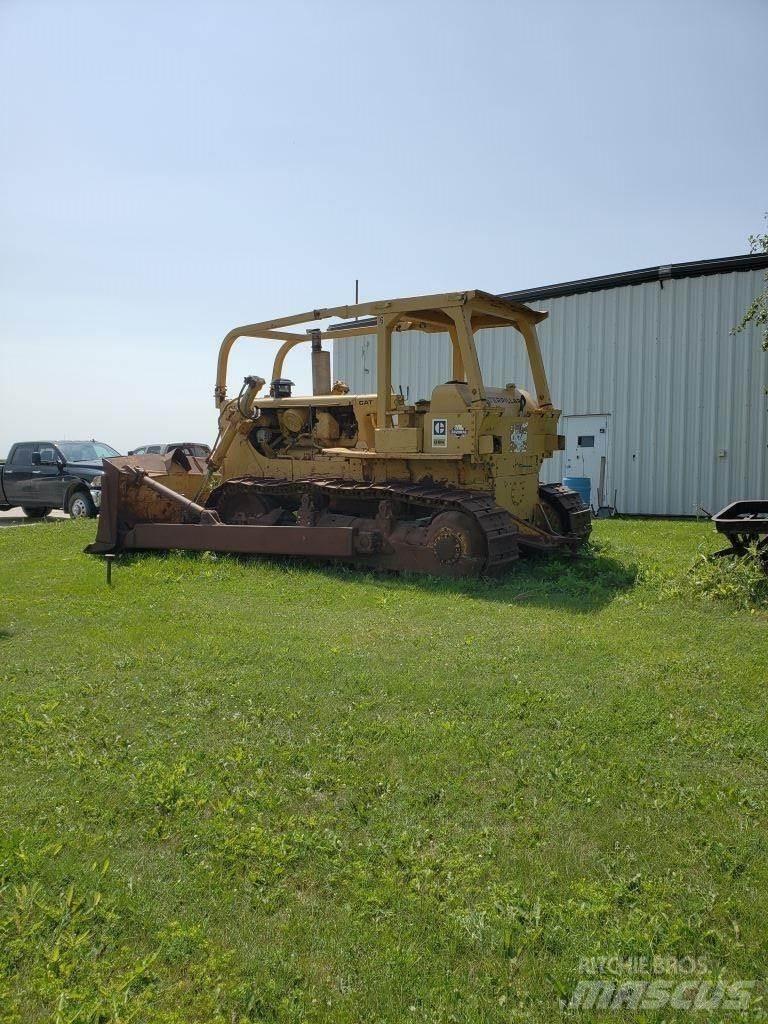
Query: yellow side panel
[{"x": 398, "y": 439}]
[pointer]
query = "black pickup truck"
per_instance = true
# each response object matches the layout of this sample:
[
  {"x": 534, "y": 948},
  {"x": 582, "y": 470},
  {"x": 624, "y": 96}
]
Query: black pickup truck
[{"x": 43, "y": 475}]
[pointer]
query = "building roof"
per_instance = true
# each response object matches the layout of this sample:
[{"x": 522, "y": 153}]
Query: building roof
[
  {"x": 670, "y": 271},
  {"x": 666, "y": 272}
]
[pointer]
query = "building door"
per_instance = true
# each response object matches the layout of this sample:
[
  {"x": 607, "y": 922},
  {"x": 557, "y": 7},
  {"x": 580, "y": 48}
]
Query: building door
[{"x": 586, "y": 453}]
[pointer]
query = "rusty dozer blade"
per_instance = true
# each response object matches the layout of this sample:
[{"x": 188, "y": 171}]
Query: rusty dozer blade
[
  {"x": 139, "y": 511},
  {"x": 170, "y": 481}
]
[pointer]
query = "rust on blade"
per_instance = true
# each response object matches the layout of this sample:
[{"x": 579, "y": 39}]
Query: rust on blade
[
  {"x": 317, "y": 541},
  {"x": 124, "y": 503}
]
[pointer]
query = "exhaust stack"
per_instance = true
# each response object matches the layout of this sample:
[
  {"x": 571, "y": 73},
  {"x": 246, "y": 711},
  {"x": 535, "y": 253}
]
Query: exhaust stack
[{"x": 321, "y": 366}]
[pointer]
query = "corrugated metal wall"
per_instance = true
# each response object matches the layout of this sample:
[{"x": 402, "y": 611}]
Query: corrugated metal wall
[{"x": 661, "y": 362}]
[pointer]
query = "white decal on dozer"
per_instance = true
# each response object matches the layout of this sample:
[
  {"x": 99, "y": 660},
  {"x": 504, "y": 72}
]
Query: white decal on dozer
[
  {"x": 518, "y": 438},
  {"x": 439, "y": 433}
]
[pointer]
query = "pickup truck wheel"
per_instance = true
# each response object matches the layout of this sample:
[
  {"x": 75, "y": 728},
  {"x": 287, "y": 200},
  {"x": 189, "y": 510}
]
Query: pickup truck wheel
[
  {"x": 35, "y": 513},
  {"x": 80, "y": 506}
]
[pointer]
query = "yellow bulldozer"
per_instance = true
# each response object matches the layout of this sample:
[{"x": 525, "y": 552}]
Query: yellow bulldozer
[{"x": 448, "y": 485}]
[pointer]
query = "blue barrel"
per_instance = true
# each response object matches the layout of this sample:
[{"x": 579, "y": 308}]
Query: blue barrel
[{"x": 581, "y": 484}]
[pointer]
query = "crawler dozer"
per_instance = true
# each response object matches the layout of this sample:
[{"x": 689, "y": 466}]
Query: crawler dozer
[{"x": 448, "y": 485}]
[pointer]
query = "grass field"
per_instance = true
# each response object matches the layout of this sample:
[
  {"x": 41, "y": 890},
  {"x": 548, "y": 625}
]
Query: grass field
[{"x": 250, "y": 791}]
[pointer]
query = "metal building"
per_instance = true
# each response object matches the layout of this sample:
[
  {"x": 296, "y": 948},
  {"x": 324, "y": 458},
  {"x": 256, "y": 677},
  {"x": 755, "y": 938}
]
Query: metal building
[{"x": 657, "y": 396}]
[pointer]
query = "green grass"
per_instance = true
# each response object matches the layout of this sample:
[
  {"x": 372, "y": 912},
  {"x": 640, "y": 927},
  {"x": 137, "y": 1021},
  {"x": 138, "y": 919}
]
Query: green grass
[{"x": 251, "y": 791}]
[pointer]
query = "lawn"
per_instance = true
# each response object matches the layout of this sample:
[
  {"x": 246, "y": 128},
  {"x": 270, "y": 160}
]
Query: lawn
[{"x": 252, "y": 791}]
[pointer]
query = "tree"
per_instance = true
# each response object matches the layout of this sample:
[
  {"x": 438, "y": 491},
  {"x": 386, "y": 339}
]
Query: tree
[{"x": 757, "y": 312}]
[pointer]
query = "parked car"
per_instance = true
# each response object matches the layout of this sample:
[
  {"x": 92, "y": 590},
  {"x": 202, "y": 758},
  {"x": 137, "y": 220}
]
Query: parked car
[
  {"x": 43, "y": 475},
  {"x": 188, "y": 447}
]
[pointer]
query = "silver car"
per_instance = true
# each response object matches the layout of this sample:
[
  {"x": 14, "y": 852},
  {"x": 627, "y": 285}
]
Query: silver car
[{"x": 193, "y": 448}]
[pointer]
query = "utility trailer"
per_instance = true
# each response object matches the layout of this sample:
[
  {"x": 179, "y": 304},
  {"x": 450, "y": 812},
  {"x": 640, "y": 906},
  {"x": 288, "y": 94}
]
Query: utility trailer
[{"x": 745, "y": 524}]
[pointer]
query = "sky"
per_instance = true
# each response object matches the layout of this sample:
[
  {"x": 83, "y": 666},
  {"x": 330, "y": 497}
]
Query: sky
[{"x": 171, "y": 168}]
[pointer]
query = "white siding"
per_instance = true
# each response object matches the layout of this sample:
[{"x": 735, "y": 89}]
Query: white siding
[{"x": 661, "y": 361}]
